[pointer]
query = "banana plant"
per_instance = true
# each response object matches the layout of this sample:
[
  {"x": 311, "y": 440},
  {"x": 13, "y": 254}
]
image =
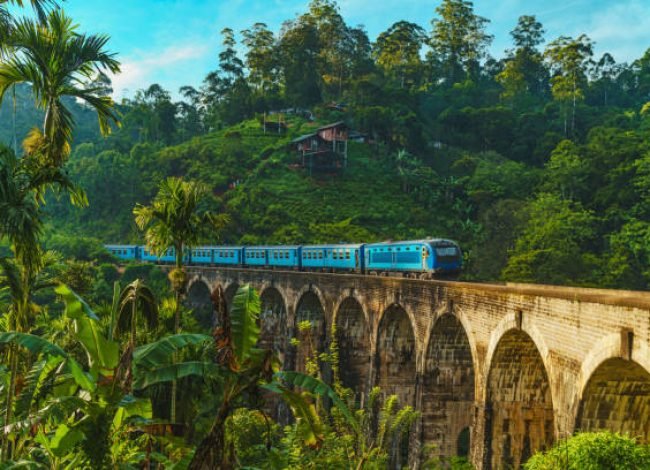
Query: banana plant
[
  {"x": 74, "y": 405},
  {"x": 242, "y": 368}
]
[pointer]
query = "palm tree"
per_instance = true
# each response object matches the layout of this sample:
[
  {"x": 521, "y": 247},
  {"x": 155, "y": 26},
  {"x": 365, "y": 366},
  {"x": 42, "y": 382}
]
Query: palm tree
[
  {"x": 6, "y": 20},
  {"x": 57, "y": 62},
  {"x": 175, "y": 219},
  {"x": 136, "y": 298}
]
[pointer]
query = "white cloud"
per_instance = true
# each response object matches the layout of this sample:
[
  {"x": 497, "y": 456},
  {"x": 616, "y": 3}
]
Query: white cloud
[
  {"x": 148, "y": 68},
  {"x": 622, "y": 29}
]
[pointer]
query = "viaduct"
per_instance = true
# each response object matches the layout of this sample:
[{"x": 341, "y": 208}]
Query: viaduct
[{"x": 497, "y": 371}]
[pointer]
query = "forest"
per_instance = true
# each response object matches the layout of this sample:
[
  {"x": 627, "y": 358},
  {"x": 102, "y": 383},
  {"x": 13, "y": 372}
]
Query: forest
[{"x": 536, "y": 162}]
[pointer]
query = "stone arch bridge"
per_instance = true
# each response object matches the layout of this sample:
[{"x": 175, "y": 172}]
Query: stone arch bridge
[{"x": 497, "y": 371}]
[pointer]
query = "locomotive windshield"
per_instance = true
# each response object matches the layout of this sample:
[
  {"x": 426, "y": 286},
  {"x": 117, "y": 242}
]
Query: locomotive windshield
[{"x": 446, "y": 252}]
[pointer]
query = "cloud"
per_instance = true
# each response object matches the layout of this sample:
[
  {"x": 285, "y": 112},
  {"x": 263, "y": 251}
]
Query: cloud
[
  {"x": 152, "y": 67},
  {"x": 622, "y": 30}
]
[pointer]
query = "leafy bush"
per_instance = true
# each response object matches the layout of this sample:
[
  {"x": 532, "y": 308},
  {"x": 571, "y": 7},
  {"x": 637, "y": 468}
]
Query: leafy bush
[{"x": 593, "y": 451}]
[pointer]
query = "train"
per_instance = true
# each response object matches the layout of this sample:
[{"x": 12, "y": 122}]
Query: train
[{"x": 434, "y": 257}]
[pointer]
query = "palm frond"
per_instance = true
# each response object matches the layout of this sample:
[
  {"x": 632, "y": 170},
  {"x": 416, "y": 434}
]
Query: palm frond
[
  {"x": 139, "y": 297},
  {"x": 57, "y": 61}
]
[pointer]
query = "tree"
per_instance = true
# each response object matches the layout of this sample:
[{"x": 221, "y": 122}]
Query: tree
[
  {"x": 55, "y": 60},
  {"x": 569, "y": 59},
  {"x": 22, "y": 283},
  {"x": 176, "y": 220},
  {"x": 566, "y": 170},
  {"x": 459, "y": 40},
  {"x": 524, "y": 70},
  {"x": 299, "y": 50},
  {"x": 554, "y": 246},
  {"x": 261, "y": 58},
  {"x": 528, "y": 34},
  {"x": 397, "y": 52},
  {"x": 136, "y": 298},
  {"x": 7, "y": 21}
]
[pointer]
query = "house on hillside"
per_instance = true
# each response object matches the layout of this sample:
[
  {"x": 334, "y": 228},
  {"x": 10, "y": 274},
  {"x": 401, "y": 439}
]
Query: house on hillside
[{"x": 324, "y": 150}]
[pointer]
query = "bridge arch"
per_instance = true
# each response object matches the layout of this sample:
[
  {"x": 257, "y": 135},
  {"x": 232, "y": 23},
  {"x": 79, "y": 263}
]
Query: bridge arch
[
  {"x": 309, "y": 308},
  {"x": 200, "y": 301},
  {"x": 396, "y": 366},
  {"x": 273, "y": 321},
  {"x": 519, "y": 419},
  {"x": 353, "y": 339},
  {"x": 507, "y": 323},
  {"x": 396, "y": 354},
  {"x": 615, "y": 389},
  {"x": 230, "y": 291},
  {"x": 448, "y": 388}
]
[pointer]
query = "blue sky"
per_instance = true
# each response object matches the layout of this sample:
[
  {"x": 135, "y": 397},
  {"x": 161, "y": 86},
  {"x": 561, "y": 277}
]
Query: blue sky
[{"x": 176, "y": 42}]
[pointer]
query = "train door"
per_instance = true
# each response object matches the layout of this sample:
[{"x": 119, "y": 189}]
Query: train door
[{"x": 425, "y": 255}]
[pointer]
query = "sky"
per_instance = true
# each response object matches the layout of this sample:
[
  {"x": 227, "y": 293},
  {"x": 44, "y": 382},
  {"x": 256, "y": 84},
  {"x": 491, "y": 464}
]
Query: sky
[{"x": 176, "y": 42}]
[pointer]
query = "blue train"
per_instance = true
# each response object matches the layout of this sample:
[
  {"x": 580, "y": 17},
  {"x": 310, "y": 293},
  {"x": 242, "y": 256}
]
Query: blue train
[{"x": 416, "y": 258}]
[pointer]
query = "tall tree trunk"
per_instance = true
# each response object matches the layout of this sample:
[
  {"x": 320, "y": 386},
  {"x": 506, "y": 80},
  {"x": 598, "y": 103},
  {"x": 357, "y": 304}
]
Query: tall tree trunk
[
  {"x": 211, "y": 452},
  {"x": 177, "y": 322},
  {"x": 7, "y": 449},
  {"x": 573, "y": 117}
]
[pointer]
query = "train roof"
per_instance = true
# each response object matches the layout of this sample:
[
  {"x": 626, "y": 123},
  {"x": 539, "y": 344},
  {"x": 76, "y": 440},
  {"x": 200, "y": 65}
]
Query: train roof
[
  {"x": 334, "y": 245},
  {"x": 269, "y": 247},
  {"x": 117, "y": 245},
  {"x": 217, "y": 247},
  {"x": 409, "y": 242}
]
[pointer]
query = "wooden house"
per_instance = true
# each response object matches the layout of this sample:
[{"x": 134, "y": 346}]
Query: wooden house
[{"x": 325, "y": 149}]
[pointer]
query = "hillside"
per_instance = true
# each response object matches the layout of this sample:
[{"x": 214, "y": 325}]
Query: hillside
[{"x": 537, "y": 162}]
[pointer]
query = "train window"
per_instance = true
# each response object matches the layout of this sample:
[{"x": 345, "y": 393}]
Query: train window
[
  {"x": 320, "y": 255},
  {"x": 347, "y": 254}
]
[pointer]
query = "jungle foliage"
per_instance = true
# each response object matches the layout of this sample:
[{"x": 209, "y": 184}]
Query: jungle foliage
[{"x": 535, "y": 161}]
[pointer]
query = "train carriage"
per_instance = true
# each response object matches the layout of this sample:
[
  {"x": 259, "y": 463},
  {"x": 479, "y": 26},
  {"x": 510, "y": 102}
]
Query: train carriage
[
  {"x": 201, "y": 255},
  {"x": 124, "y": 252},
  {"x": 169, "y": 256},
  {"x": 420, "y": 256},
  {"x": 287, "y": 256},
  {"x": 314, "y": 257},
  {"x": 255, "y": 256},
  {"x": 227, "y": 255},
  {"x": 344, "y": 257}
]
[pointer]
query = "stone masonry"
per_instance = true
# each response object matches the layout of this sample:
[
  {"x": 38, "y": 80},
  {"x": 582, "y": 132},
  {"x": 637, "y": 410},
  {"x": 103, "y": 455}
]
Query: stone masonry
[{"x": 498, "y": 371}]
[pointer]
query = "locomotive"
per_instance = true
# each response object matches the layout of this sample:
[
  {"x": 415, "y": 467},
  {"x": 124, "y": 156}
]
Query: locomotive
[{"x": 424, "y": 259}]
